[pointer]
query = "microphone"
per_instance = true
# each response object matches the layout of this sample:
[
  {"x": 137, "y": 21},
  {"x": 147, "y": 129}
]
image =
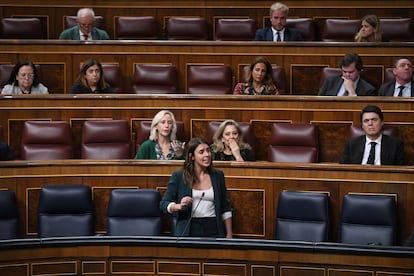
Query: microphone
[{"x": 191, "y": 216}]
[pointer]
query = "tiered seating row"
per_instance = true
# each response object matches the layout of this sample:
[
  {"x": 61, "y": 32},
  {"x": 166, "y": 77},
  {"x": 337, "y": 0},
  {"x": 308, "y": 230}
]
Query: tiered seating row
[
  {"x": 302, "y": 62},
  {"x": 51, "y": 13}
]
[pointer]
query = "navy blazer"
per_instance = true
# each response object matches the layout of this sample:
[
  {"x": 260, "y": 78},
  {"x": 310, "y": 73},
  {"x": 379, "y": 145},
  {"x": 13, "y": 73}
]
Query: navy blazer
[
  {"x": 177, "y": 189},
  {"x": 392, "y": 151},
  {"x": 266, "y": 34},
  {"x": 332, "y": 85},
  {"x": 387, "y": 89}
]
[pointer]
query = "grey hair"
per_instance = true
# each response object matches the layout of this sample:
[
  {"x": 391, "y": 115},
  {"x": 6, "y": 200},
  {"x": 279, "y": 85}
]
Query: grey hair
[
  {"x": 85, "y": 11},
  {"x": 279, "y": 6}
]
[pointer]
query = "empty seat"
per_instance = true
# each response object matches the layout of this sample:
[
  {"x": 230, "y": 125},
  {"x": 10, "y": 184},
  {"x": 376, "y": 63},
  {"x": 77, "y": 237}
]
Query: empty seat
[
  {"x": 46, "y": 140},
  {"x": 303, "y": 216},
  {"x": 340, "y": 29},
  {"x": 136, "y": 27},
  {"x": 247, "y": 129},
  {"x": 9, "y": 215},
  {"x": 134, "y": 212},
  {"x": 5, "y": 72},
  {"x": 186, "y": 28},
  {"x": 293, "y": 143},
  {"x": 144, "y": 129},
  {"x": 65, "y": 210},
  {"x": 356, "y": 130},
  {"x": 209, "y": 79},
  {"x": 235, "y": 29},
  {"x": 22, "y": 28},
  {"x": 72, "y": 20},
  {"x": 106, "y": 139},
  {"x": 113, "y": 76},
  {"x": 397, "y": 29},
  {"x": 368, "y": 219},
  {"x": 154, "y": 79},
  {"x": 306, "y": 26}
]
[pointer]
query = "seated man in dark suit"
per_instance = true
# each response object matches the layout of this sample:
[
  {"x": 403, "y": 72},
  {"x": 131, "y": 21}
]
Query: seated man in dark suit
[
  {"x": 350, "y": 82},
  {"x": 374, "y": 147},
  {"x": 5, "y": 153},
  {"x": 84, "y": 30},
  {"x": 278, "y": 31},
  {"x": 403, "y": 85}
]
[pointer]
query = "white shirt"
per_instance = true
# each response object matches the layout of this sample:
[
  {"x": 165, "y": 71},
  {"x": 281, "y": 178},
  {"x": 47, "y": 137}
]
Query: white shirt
[
  {"x": 281, "y": 34},
  {"x": 406, "y": 91},
  {"x": 83, "y": 38},
  {"x": 367, "y": 149}
]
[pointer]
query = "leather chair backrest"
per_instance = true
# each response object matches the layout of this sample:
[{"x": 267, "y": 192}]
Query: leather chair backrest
[
  {"x": 65, "y": 210},
  {"x": 186, "y": 28},
  {"x": 293, "y": 143},
  {"x": 368, "y": 219},
  {"x": 136, "y": 27},
  {"x": 134, "y": 212},
  {"x": 9, "y": 215},
  {"x": 46, "y": 140},
  {"x": 397, "y": 29},
  {"x": 144, "y": 129},
  {"x": 389, "y": 75},
  {"x": 356, "y": 130},
  {"x": 303, "y": 216},
  {"x": 113, "y": 76},
  {"x": 209, "y": 79},
  {"x": 106, "y": 139},
  {"x": 340, "y": 29},
  {"x": 329, "y": 71},
  {"x": 306, "y": 26},
  {"x": 22, "y": 28},
  {"x": 71, "y": 20},
  {"x": 155, "y": 79},
  {"x": 247, "y": 130},
  {"x": 278, "y": 76},
  {"x": 240, "y": 29}
]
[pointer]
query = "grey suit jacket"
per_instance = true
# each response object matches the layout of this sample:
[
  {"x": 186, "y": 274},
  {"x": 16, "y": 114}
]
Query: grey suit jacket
[
  {"x": 177, "y": 189},
  {"x": 332, "y": 85},
  {"x": 73, "y": 34},
  {"x": 392, "y": 151},
  {"x": 266, "y": 34},
  {"x": 387, "y": 89}
]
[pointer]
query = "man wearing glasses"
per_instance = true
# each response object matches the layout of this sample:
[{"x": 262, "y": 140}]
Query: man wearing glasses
[{"x": 85, "y": 29}]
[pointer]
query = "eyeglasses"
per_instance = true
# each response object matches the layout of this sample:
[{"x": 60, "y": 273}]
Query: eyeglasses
[
  {"x": 86, "y": 25},
  {"x": 27, "y": 76}
]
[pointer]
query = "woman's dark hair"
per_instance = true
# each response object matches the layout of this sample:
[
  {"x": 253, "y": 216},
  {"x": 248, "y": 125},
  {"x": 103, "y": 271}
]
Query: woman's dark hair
[
  {"x": 268, "y": 80},
  {"x": 189, "y": 173},
  {"x": 15, "y": 71},
  {"x": 85, "y": 66}
]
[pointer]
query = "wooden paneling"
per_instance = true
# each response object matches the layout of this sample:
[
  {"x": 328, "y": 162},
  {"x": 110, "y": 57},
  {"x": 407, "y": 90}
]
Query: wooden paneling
[
  {"x": 333, "y": 116},
  {"x": 253, "y": 187},
  {"x": 210, "y": 9},
  {"x": 303, "y": 62}
]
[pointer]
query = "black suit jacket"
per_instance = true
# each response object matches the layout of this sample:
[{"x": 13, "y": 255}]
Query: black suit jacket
[
  {"x": 332, "y": 84},
  {"x": 266, "y": 34},
  {"x": 392, "y": 151},
  {"x": 387, "y": 89}
]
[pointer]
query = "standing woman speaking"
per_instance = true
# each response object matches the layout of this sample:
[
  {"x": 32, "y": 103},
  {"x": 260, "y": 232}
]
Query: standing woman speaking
[{"x": 198, "y": 194}]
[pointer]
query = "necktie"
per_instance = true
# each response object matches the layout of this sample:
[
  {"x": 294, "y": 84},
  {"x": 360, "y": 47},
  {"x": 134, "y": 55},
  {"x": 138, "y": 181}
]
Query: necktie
[
  {"x": 371, "y": 157},
  {"x": 346, "y": 93},
  {"x": 85, "y": 36},
  {"x": 278, "y": 37},
  {"x": 401, "y": 87}
]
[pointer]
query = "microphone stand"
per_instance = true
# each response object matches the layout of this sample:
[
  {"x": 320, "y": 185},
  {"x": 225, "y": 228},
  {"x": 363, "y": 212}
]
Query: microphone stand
[{"x": 191, "y": 217}]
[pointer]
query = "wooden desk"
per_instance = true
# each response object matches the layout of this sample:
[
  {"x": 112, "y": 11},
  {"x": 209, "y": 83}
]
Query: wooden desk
[
  {"x": 252, "y": 186},
  {"x": 332, "y": 115},
  {"x": 303, "y": 61}
]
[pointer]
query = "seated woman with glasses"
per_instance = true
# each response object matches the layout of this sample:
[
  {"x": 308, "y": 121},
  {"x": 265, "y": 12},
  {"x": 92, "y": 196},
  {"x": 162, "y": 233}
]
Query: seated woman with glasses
[
  {"x": 91, "y": 79},
  {"x": 24, "y": 80}
]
